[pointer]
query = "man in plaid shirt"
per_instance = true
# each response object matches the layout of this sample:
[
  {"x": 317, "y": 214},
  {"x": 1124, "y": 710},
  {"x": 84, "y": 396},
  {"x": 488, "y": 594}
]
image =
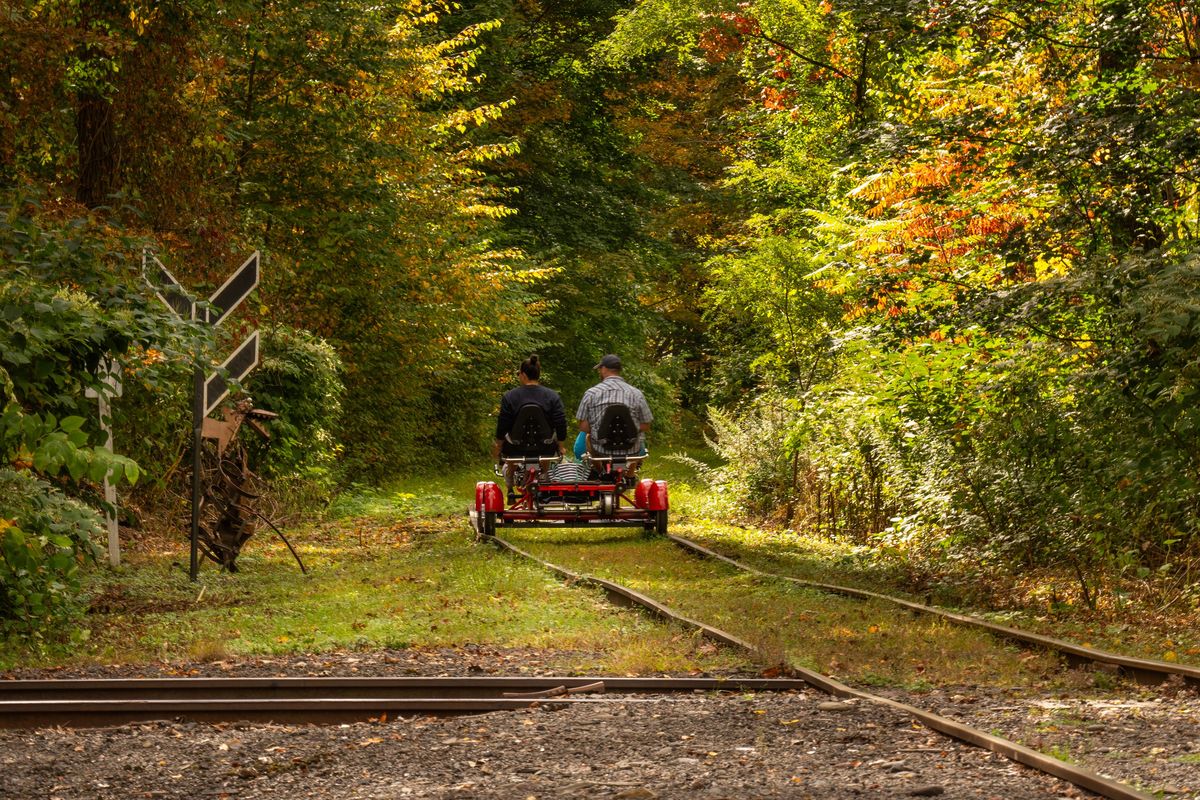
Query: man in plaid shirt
[{"x": 611, "y": 389}]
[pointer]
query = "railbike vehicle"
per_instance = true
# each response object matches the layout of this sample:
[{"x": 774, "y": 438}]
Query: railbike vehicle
[{"x": 600, "y": 491}]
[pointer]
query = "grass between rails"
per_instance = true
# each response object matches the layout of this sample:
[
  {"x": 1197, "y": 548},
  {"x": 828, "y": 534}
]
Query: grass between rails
[
  {"x": 796, "y": 555},
  {"x": 862, "y": 641},
  {"x": 382, "y": 578},
  {"x": 1027, "y": 603}
]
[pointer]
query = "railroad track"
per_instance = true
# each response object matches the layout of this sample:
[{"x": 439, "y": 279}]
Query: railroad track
[
  {"x": 1142, "y": 670},
  {"x": 103, "y": 702},
  {"x": 1079, "y": 776}
]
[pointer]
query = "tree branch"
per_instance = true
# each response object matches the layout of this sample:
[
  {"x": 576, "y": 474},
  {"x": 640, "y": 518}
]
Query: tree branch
[{"x": 806, "y": 59}]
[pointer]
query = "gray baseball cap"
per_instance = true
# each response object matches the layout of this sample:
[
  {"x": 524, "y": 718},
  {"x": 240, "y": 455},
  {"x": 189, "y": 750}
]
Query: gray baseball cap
[{"x": 610, "y": 361}]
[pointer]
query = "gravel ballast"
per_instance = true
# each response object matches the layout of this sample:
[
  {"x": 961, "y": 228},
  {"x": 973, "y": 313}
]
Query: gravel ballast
[
  {"x": 793, "y": 745},
  {"x": 703, "y": 745}
]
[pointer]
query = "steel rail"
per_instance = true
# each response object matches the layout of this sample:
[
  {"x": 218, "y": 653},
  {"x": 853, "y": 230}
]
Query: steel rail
[
  {"x": 359, "y": 687},
  {"x": 92, "y": 702},
  {"x": 1079, "y": 776},
  {"x": 102, "y": 713},
  {"x": 1146, "y": 671}
]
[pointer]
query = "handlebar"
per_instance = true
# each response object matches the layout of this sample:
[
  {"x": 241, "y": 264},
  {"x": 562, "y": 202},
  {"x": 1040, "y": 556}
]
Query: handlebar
[
  {"x": 521, "y": 462},
  {"x": 627, "y": 459}
]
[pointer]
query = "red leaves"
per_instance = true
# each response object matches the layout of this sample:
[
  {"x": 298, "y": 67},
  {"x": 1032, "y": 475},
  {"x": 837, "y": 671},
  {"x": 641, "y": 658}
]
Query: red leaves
[
  {"x": 717, "y": 44},
  {"x": 744, "y": 24},
  {"x": 776, "y": 99}
]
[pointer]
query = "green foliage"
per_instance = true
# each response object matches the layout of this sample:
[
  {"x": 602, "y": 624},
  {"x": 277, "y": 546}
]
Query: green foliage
[
  {"x": 929, "y": 261},
  {"x": 300, "y": 379},
  {"x": 44, "y": 538},
  {"x": 53, "y": 337},
  {"x": 50, "y": 338},
  {"x": 382, "y": 245},
  {"x": 961, "y": 288},
  {"x": 751, "y": 440},
  {"x": 337, "y": 138},
  {"x": 596, "y": 210},
  {"x": 68, "y": 304}
]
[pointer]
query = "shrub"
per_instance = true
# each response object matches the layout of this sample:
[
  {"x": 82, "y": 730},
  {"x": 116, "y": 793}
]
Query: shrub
[
  {"x": 45, "y": 537},
  {"x": 68, "y": 301},
  {"x": 300, "y": 379}
]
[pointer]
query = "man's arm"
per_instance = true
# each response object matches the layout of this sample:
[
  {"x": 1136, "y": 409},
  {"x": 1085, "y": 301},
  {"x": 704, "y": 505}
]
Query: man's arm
[
  {"x": 558, "y": 416},
  {"x": 644, "y": 412},
  {"x": 581, "y": 415}
]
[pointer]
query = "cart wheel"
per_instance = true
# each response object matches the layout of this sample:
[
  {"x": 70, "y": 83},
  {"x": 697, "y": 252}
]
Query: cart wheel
[
  {"x": 660, "y": 523},
  {"x": 608, "y": 504},
  {"x": 489, "y": 523}
]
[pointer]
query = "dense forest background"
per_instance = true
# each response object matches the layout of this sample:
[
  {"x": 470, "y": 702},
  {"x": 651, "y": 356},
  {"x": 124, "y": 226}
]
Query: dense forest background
[{"x": 924, "y": 273}]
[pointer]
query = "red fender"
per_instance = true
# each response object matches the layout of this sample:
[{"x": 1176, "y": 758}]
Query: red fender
[
  {"x": 641, "y": 494},
  {"x": 658, "y": 497},
  {"x": 488, "y": 497}
]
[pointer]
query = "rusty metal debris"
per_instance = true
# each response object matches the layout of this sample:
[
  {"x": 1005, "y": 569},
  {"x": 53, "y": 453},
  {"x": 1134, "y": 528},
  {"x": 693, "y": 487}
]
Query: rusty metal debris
[
  {"x": 230, "y": 491},
  {"x": 561, "y": 689}
]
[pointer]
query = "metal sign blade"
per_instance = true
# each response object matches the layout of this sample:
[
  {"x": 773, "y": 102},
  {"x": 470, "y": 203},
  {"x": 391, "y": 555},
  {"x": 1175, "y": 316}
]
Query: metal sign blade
[
  {"x": 169, "y": 290},
  {"x": 238, "y": 365},
  {"x": 231, "y": 294}
]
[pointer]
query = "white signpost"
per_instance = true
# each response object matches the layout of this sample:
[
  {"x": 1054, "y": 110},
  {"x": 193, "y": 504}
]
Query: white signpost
[
  {"x": 110, "y": 376},
  {"x": 209, "y": 390}
]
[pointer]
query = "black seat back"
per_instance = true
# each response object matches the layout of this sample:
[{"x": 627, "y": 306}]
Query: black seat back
[
  {"x": 617, "y": 432},
  {"x": 531, "y": 434}
]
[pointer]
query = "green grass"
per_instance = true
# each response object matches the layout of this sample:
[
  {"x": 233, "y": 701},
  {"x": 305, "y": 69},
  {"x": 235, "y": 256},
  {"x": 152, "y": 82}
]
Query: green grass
[
  {"x": 396, "y": 566},
  {"x": 810, "y": 558},
  {"x": 443, "y": 495},
  {"x": 1144, "y": 634},
  {"x": 1061, "y": 752},
  {"x": 384, "y": 577},
  {"x": 863, "y": 641}
]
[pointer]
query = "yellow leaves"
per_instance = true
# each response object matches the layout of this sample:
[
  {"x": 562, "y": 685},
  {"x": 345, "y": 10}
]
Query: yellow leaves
[
  {"x": 140, "y": 18},
  {"x": 489, "y": 210},
  {"x": 891, "y": 189},
  {"x": 1047, "y": 267},
  {"x": 462, "y": 119}
]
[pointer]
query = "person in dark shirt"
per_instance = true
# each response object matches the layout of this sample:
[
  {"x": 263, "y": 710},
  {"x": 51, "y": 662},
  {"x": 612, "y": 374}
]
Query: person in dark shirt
[{"x": 530, "y": 391}]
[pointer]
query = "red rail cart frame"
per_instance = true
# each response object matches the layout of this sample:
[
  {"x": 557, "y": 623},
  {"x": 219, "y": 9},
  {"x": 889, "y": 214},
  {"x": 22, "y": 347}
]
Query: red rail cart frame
[{"x": 613, "y": 500}]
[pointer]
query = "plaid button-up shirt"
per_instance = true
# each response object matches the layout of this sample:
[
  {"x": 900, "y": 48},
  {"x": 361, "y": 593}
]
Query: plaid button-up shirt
[{"x": 614, "y": 389}]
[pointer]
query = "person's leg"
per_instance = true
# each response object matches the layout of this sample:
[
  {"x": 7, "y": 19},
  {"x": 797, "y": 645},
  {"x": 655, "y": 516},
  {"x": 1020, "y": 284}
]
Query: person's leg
[{"x": 510, "y": 475}]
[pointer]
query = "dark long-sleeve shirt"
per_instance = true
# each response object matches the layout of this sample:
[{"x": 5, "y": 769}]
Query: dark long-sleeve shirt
[{"x": 548, "y": 399}]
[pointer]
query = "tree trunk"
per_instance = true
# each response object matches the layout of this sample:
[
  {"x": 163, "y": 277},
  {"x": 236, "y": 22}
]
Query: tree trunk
[
  {"x": 96, "y": 144},
  {"x": 860, "y": 81},
  {"x": 791, "y": 498}
]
